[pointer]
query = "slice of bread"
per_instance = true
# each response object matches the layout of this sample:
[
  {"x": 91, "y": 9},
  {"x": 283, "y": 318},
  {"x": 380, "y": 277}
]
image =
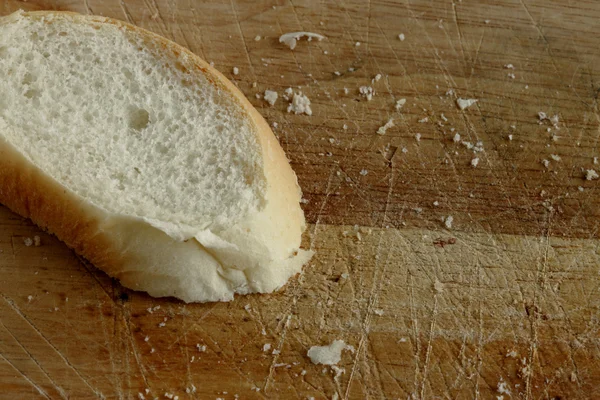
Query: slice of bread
[{"x": 143, "y": 159}]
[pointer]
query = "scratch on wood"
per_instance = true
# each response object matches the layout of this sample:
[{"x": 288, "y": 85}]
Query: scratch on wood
[
  {"x": 126, "y": 12},
  {"x": 88, "y": 9},
  {"x": 239, "y": 26},
  {"x": 62, "y": 357},
  {"x": 320, "y": 213},
  {"x": 279, "y": 347},
  {"x": 375, "y": 290},
  {"x": 36, "y": 387},
  {"x": 134, "y": 349},
  {"x": 429, "y": 345},
  {"x": 59, "y": 389}
]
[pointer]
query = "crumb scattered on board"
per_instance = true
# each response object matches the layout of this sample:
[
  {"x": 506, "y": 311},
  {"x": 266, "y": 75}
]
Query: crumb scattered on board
[
  {"x": 383, "y": 129},
  {"x": 270, "y": 96},
  {"x": 367, "y": 92},
  {"x": 300, "y": 104},
  {"x": 448, "y": 221},
  {"x": 291, "y": 39},
  {"x": 399, "y": 104},
  {"x": 465, "y": 103},
  {"x": 591, "y": 174},
  {"x": 329, "y": 354}
]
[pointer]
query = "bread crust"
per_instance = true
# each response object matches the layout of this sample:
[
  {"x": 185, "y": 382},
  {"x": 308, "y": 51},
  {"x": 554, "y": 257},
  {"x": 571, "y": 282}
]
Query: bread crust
[{"x": 132, "y": 250}]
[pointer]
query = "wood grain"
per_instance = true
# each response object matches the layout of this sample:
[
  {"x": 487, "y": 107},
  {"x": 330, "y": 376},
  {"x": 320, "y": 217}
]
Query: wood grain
[{"x": 508, "y": 296}]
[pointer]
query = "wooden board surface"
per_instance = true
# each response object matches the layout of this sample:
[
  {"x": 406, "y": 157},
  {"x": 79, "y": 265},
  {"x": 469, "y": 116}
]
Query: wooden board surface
[{"x": 504, "y": 303}]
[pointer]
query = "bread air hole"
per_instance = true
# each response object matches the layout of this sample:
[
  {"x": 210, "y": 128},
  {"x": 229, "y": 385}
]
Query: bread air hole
[{"x": 138, "y": 119}]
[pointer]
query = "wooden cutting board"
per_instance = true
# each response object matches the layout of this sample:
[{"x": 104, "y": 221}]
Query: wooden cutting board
[{"x": 502, "y": 301}]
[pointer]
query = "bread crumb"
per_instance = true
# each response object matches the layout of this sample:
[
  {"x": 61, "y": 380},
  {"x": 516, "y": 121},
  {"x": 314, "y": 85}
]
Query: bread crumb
[
  {"x": 443, "y": 117},
  {"x": 267, "y": 347},
  {"x": 546, "y": 163},
  {"x": 383, "y": 129},
  {"x": 474, "y": 162},
  {"x": 29, "y": 298},
  {"x": 201, "y": 348},
  {"x": 401, "y": 37},
  {"x": 573, "y": 376},
  {"x": 367, "y": 92},
  {"x": 378, "y": 311},
  {"x": 423, "y": 120},
  {"x": 555, "y": 157},
  {"x": 591, "y": 174},
  {"x": 364, "y": 172},
  {"x": 169, "y": 395},
  {"x": 191, "y": 389},
  {"x": 510, "y": 137},
  {"x": 300, "y": 104},
  {"x": 346, "y": 90},
  {"x": 37, "y": 241},
  {"x": 291, "y": 39},
  {"x": 580, "y": 188},
  {"x": 448, "y": 221},
  {"x": 152, "y": 309},
  {"x": 270, "y": 96},
  {"x": 418, "y": 137},
  {"x": 509, "y": 66},
  {"x": 257, "y": 38},
  {"x": 511, "y": 354},
  {"x": 329, "y": 354},
  {"x": 502, "y": 387},
  {"x": 377, "y": 77},
  {"x": 236, "y": 70},
  {"x": 357, "y": 44},
  {"x": 141, "y": 396},
  {"x": 146, "y": 338},
  {"x": 344, "y": 127},
  {"x": 456, "y": 138},
  {"x": 399, "y": 104},
  {"x": 595, "y": 160},
  {"x": 28, "y": 241},
  {"x": 438, "y": 286},
  {"x": 404, "y": 150},
  {"x": 465, "y": 103}
]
